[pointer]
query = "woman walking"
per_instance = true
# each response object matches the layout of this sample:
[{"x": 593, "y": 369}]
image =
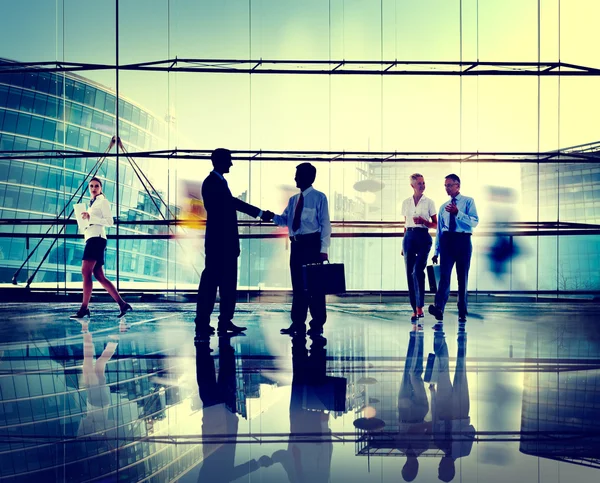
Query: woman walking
[
  {"x": 99, "y": 216},
  {"x": 419, "y": 215}
]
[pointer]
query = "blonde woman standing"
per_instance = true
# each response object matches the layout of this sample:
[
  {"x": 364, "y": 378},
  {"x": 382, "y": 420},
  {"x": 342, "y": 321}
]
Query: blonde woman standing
[
  {"x": 419, "y": 215},
  {"x": 100, "y": 217}
]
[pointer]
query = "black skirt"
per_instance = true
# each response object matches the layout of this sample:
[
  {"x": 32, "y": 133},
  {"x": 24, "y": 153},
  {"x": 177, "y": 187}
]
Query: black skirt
[{"x": 94, "y": 249}]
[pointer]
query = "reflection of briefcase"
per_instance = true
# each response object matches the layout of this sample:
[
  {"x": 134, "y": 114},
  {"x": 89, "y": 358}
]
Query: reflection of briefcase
[
  {"x": 329, "y": 395},
  {"x": 324, "y": 278},
  {"x": 433, "y": 275}
]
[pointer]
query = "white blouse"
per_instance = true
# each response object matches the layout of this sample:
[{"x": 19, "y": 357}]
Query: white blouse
[
  {"x": 100, "y": 217},
  {"x": 425, "y": 208}
]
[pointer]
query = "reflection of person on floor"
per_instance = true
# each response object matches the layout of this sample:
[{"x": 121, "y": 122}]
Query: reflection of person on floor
[
  {"x": 452, "y": 429},
  {"x": 308, "y": 461},
  {"x": 219, "y": 416},
  {"x": 96, "y": 422},
  {"x": 413, "y": 406}
]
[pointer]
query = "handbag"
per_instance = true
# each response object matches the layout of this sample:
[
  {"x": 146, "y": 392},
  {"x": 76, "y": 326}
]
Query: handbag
[{"x": 324, "y": 278}]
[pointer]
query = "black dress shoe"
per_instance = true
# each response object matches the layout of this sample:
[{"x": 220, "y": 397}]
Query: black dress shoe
[
  {"x": 314, "y": 331},
  {"x": 462, "y": 318},
  {"x": 81, "y": 313},
  {"x": 294, "y": 329},
  {"x": 436, "y": 312},
  {"x": 229, "y": 327},
  {"x": 124, "y": 309}
]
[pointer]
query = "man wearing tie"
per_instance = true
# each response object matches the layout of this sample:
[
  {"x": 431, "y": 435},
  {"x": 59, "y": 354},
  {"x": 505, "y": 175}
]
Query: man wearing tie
[
  {"x": 307, "y": 219},
  {"x": 222, "y": 248},
  {"x": 456, "y": 221}
]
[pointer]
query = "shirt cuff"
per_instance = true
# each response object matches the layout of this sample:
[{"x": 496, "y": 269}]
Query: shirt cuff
[
  {"x": 324, "y": 249},
  {"x": 260, "y": 213}
]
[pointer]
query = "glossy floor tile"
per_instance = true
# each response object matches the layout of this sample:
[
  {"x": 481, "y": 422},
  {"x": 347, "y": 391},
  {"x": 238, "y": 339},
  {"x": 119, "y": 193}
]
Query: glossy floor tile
[{"x": 515, "y": 396}]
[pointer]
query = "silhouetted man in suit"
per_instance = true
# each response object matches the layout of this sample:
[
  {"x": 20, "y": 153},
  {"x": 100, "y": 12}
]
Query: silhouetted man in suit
[
  {"x": 309, "y": 227},
  {"x": 222, "y": 247}
]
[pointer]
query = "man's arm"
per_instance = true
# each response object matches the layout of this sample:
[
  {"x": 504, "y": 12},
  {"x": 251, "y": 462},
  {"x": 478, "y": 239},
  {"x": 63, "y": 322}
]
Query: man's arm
[
  {"x": 282, "y": 220},
  {"x": 325, "y": 224},
  {"x": 470, "y": 216},
  {"x": 244, "y": 207},
  {"x": 438, "y": 233}
]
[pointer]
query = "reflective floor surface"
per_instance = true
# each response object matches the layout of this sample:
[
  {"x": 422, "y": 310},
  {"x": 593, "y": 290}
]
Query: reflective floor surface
[{"x": 513, "y": 397}]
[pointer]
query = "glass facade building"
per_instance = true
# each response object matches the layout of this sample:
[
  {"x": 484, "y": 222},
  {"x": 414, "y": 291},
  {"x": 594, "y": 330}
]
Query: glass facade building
[{"x": 50, "y": 112}]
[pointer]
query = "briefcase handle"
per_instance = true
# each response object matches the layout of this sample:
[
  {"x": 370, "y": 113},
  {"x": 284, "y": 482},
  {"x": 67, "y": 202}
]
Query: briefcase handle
[{"x": 316, "y": 263}]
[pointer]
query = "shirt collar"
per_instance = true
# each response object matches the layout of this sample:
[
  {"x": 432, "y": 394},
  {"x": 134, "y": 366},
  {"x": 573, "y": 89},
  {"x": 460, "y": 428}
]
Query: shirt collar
[
  {"x": 307, "y": 190},
  {"x": 457, "y": 197},
  {"x": 218, "y": 174},
  {"x": 99, "y": 197}
]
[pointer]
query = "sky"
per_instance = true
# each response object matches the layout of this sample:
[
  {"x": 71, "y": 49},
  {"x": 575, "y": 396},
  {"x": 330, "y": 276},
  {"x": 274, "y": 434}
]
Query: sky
[{"x": 306, "y": 112}]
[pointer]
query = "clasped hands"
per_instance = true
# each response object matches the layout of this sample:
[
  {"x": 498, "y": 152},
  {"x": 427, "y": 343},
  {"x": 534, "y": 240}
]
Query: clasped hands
[
  {"x": 85, "y": 215},
  {"x": 267, "y": 215}
]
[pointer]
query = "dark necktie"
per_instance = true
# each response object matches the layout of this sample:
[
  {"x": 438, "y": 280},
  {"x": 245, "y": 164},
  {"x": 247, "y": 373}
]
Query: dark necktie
[
  {"x": 92, "y": 201},
  {"x": 452, "y": 226},
  {"x": 298, "y": 213}
]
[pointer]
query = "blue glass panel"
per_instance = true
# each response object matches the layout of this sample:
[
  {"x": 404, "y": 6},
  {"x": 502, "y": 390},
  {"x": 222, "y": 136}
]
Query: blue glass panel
[
  {"x": 15, "y": 172},
  {"x": 72, "y": 136},
  {"x": 20, "y": 144},
  {"x": 27, "y": 101},
  {"x": 39, "y": 105},
  {"x": 3, "y": 95},
  {"x": 6, "y": 142},
  {"x": 109, "y": 104},
  {"x": 35, "y": 128},
  {"x": 28, "y": 177},
  {"x": 69, "y": 88},
  {"x": 1, "y": 117},
  {"x": 86, "y": 117},
  {"x": 14, "y": 98},
  {"x": 23, "y": 124},
  {"x": 74, "y": 114},
  {"x": 43, "y": 82},
  {"x": 52, "y": 107},
  {"x": 24, "y": 202},
  {"x": 90, "y": 95},
  {"x": 4, "y": 166},
  {"x": 10, "y": 121},
  {"x": 78, "y": 92},
  {"x": 49, "y": 130},
  {"x": 100, "y": 99},
  {"x": 30, "y": 80}
]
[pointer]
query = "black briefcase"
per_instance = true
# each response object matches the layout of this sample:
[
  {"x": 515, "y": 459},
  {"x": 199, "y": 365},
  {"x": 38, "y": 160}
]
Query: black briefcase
[
  {"x": 325, "y": 278},
  {"x": 433, "y": 275}
]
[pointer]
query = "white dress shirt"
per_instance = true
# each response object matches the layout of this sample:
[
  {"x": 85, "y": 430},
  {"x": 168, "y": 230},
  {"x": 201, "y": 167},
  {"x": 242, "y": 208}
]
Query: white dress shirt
[
  {"x": 425, "y": 208},
  {"x": 315, "y": 216},
  {"x": 100, "y": 217}
]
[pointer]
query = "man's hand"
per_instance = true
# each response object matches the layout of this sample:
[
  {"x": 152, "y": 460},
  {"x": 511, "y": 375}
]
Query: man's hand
[
  {"x": 267, "y": 215},
  {"x": 451, "y": 208},
  {"x": 434, "y": 259},
  {"x": 85, "y": 215},
  {"x": 323, "y": 257},
  {"x": 419, "y": 220},
  {"x": 265, "y": 461}
]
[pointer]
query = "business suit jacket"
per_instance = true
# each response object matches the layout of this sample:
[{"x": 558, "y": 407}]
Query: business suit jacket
[{"x": 222, "y": 237}]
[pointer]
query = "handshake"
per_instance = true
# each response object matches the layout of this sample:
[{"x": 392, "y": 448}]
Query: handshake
[{"x": 267, "y": 215}]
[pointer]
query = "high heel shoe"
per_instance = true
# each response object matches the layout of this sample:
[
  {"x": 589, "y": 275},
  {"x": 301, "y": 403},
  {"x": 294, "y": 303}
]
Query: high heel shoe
[
  {"x": 81, "y": 313},
  {"x": 124, "y": 309}
]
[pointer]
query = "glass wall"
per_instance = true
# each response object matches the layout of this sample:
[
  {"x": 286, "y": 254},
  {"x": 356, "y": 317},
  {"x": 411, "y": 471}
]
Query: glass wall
[{"x": 311, "y": 81}]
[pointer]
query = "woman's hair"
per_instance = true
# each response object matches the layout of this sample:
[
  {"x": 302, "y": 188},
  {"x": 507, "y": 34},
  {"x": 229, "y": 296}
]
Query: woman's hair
[
  {"x": 413, "y": 177},
  {"x": 96, "y": 179}
]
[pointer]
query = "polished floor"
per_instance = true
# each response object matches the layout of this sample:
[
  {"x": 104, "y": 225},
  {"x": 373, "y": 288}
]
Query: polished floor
[{"x": 513, "y": 397}]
